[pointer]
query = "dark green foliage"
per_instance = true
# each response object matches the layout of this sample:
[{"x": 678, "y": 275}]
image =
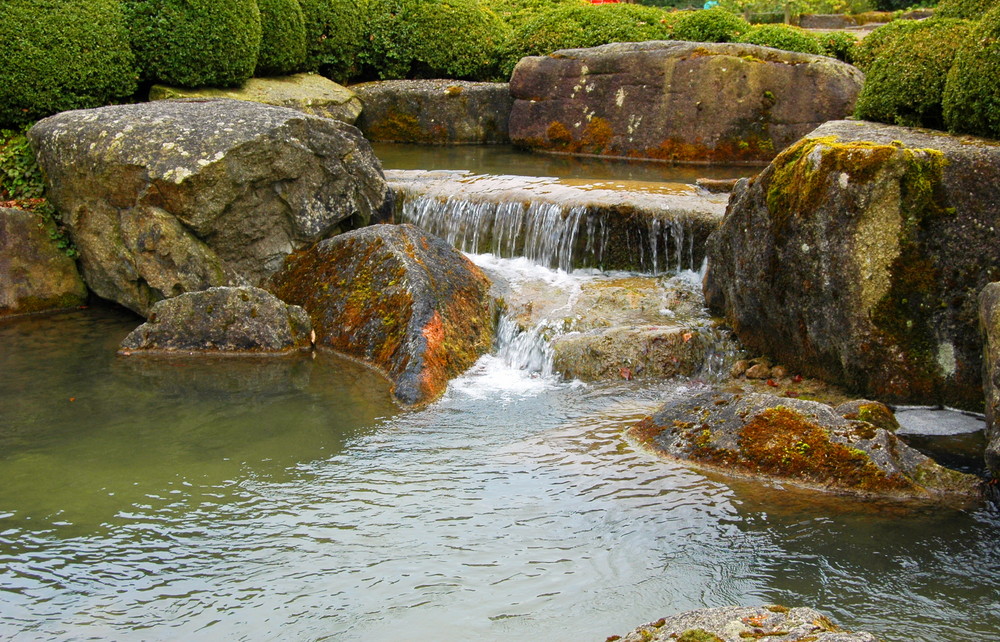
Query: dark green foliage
[
  {"x": 782, "y": 37},
  {"x": 868, "y": 49},
  {"x": 335, "y": 35},
  {"x": 435, "y": 39},
  {"x": 967, "y": 9},
  {"x": 972, "y": 91},
  {"x": 282, "y": 38},
  {"x": 905, "y": 83},
  {"x": 195, "y": 43},
  {"x": 20, "y": 176},
  {"x": 62, "y": 54},
  {"x": 710, "y": 25},
  {"x": 517, "y": 12},
  {"x": 838, "y": 44}
]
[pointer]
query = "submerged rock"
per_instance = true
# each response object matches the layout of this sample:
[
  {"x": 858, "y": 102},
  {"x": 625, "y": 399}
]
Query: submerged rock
[
  {"x": 398, "y": 299},
  {"x": 677, "y": 101},
  {"x": 740, "y": 623},
  {"x": 989, "y": 317},
  {"x": 35, "y": 275},
  {"x": 308, "y": 93},
  {"x": 795, "y": 441},
  {"x": 436, "y": 112},
  {"x": 176, "y": 196},
  {"x": 222, "y": 320},
  {"x": 857, "y": 257}
]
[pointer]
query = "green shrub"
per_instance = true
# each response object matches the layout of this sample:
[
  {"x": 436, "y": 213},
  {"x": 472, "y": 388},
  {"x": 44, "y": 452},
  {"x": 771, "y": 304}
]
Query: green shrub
[
  {"x": 710, "y": 25},
  {"x": 838, "y": 44},
  {"x": 868, "y": 49},
  {"x": 782, "y": 37},
  {"x": 335, "y": 34},
  {"x": 195, "y": 43},
  {"x": 282, "y": 38},
  {"x": 905, "y": 83},
  {"x": 966, "y": 9},
  {"x": 20, "y": 176},
  {"x": 62, "y": 54},
  {"x": 517, "y": 12},
  {"x": 434, "y": 39},
  {"x": 972, "y": 90}
]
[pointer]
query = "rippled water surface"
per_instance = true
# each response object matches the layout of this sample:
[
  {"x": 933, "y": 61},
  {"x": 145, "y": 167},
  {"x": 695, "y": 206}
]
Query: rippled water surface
[{"x": 289, "y": 499}]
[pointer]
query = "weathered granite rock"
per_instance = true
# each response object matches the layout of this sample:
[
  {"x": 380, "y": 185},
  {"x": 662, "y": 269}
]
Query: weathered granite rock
[
  {"x": 175, "y": 196},
  {"x": 677, "y": 101},
  {"x": 989, "y": 316},
  {"x": 396, "y": 298},
  {"x": 795, "y": 441},
  {"x": 437, "y": 112},
  {"x": 740, "y": 623},
  {"x": 222, "y": 320},
  {"x": 35, "y": 275},
  {"x": 858, "y": 255},
  {"x": 308, "y": 93},
  {"x": 627, "y": 352}
]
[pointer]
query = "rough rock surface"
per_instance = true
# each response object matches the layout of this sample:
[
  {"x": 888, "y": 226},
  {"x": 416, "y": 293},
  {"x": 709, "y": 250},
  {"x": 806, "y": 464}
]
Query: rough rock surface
[
  {"x": 222, "y": 320},
  {"x": 308, "y": 93},
  {"x": 437, "y": 112},
  {"x": 858, "y": 255},
  {"x": 677, "y": 101},
  {"x": 795, "y": 441},
  {"x": 740, "y": 623},
  {"x": 35, "y": 275},
  {"x": 175, "y": 196},
  {"x": 989, "y": 314},
  {"x": 396, "y": 298}
]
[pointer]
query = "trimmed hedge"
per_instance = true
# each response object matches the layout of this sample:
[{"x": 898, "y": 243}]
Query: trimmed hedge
[
  {"x": 195, "y": 43},
  {"x": 868, "y": 49},
  {"x": 435, "y": 38},
  {"x": 838, "y": 44},
  {"x": 335, "y": 36},
  {"x": 972, "y": 91},
  {"x": 966, "y": 9},
  {"x": 710, "y": 25},
  {"x": 283, "y": 38},
  {"x": 905, "y": 83},
  {"x": 780, "y": 36},
  {"x": 62, "y": 54},
  {"x": 518, "y": 12}
]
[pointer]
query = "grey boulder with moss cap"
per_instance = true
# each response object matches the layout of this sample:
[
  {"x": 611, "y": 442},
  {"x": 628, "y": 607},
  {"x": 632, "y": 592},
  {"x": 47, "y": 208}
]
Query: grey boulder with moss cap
[
  {"x": 176, "y": 196},
  {"x": 857, "y": 257}
]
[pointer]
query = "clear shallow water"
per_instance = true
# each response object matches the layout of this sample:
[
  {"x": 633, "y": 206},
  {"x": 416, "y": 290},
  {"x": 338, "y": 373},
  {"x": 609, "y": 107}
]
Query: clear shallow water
[{"x": 290, "y": 500}]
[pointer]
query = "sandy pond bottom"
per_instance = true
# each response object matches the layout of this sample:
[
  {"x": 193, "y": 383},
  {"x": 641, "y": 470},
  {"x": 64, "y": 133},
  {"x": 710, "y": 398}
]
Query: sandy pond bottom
[{"x": 289, "y": 499}]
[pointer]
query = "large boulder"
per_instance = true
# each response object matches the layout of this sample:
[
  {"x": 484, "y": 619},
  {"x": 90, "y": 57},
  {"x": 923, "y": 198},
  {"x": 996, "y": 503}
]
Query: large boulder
[
  {"x": 174, "y": 196},
  {"x": 308, "y": 93},
  {"x": 858, "y": 255},
  {"x": 677, "y": 101},
  {"x": 438, "y": 112},
  {"x": 35, "y": 275},
  {"x": 805, "y": 443},
  {"x": 989, "y": 318},
  {"x": 243, "y": 320},
  {"x": 396, "y": 298}
]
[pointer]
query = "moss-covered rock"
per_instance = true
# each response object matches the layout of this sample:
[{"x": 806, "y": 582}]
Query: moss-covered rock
[
  {"x": 972, "y": 92},
  {"x": 782, "y": 36},
  {"x": 57, "y": 55},
  {"x": 905, "y": 83},
  {"x": 283, "y": 38},
  {"x": 857, "y": 256},
  {"x": 800, "y": 442},
  {"x": 989, "y": 321},
  {"x": 397, "y": 298}
]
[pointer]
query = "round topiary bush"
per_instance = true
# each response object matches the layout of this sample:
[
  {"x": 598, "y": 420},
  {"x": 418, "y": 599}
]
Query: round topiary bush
[
  {"x": 710, "y": 25},
  {"x": 335, "y": 33},
  {"x": 965, "y": 9},
  {"x": 868, "y": 49},
  {"x": 195, "y": 43},
  {"x": 62, "y": 54},
  {"x": 459, "y": 39},
  {"x": 905, "y": 83},
  {"x": 838, "y": 44},
  {"x": 780, "y": 36},
  {"x": 282, "y": 38},
  {"x": 972, "y": 91}
]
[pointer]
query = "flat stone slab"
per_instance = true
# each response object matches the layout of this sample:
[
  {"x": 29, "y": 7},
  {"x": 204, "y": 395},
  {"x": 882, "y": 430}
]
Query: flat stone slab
[{"x": 565, "y": 223}]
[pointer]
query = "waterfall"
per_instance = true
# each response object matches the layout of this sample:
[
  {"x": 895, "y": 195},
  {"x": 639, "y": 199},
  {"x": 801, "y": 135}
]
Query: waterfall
[{"x": 523, "y": 349}]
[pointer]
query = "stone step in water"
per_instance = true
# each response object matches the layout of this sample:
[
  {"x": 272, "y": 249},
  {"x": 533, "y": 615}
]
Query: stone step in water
[{"x": 638, "y": 226}]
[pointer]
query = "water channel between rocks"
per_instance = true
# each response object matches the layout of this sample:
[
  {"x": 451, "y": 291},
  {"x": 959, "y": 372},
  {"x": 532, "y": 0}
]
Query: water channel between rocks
[{"x": 289, "y": 499}]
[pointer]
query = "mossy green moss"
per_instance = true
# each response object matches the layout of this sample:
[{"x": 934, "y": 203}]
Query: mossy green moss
[{"x": 698, "y": 635}]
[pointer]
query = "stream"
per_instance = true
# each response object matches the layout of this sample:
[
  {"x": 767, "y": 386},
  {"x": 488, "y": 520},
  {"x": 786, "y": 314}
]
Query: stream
[{"x": 290, "y": 499}]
